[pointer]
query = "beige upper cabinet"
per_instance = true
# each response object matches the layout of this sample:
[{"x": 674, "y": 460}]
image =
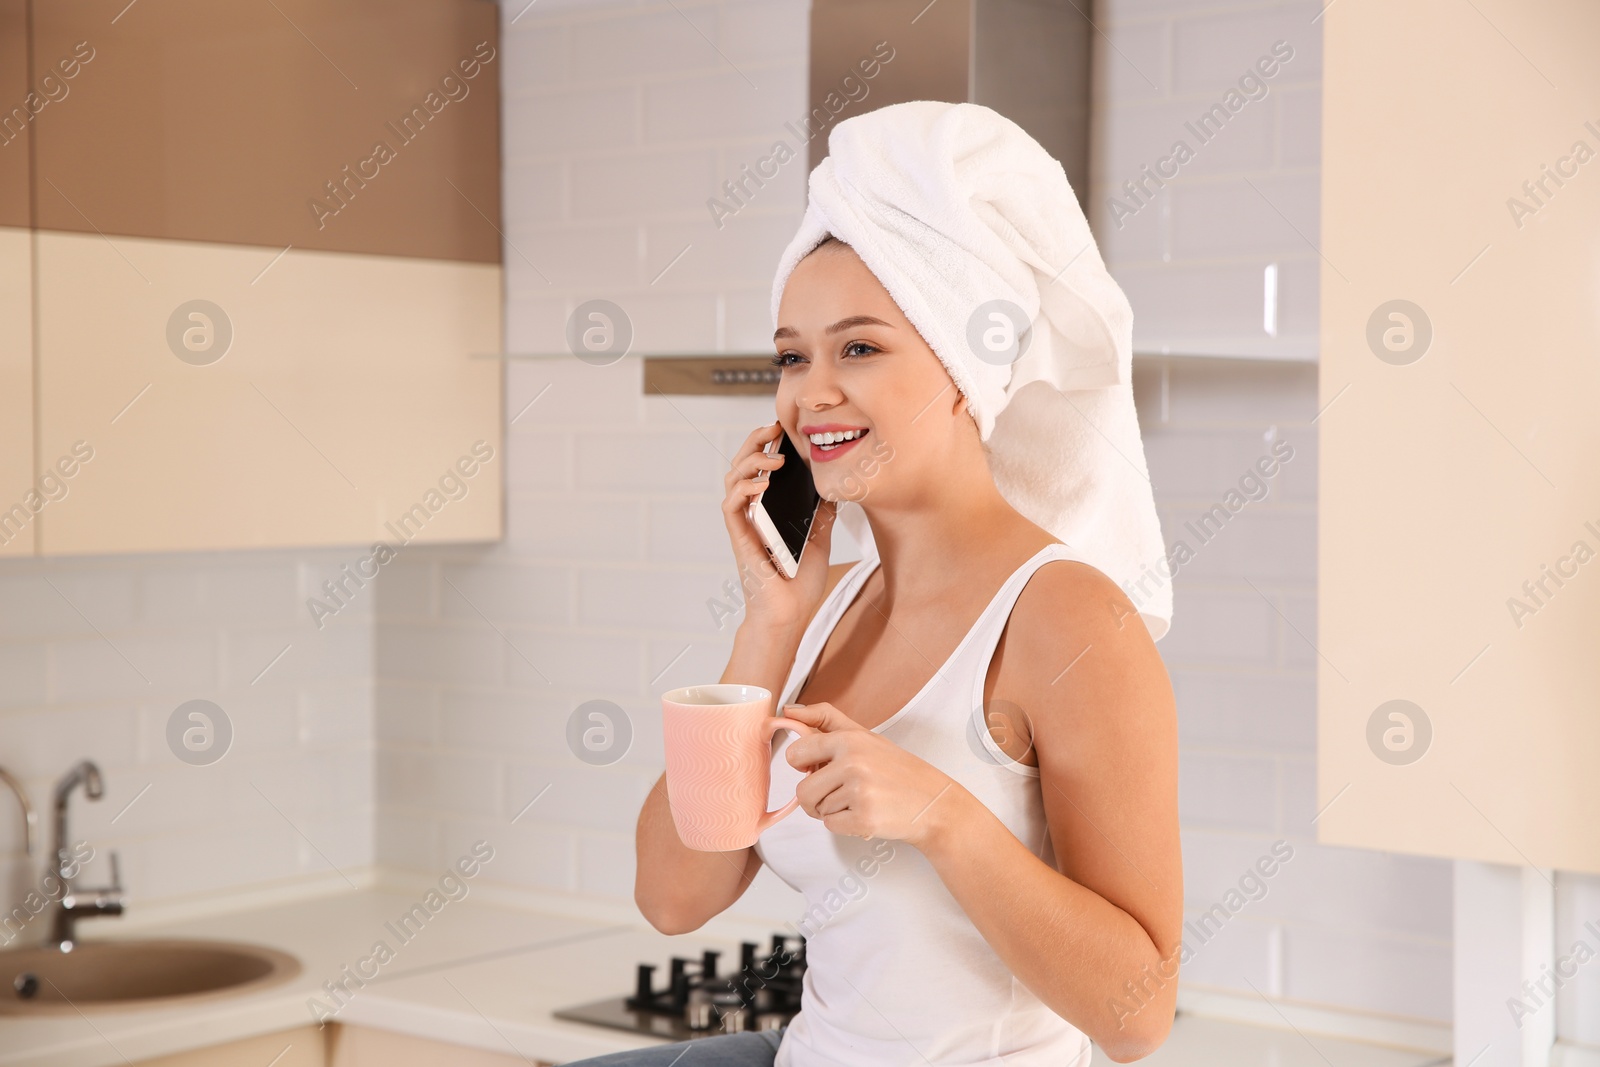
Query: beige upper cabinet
[
  {"x": 1459, "y": 519},
  {"x": 266, "y": 274},
  {"x": 20, "y": 501}
]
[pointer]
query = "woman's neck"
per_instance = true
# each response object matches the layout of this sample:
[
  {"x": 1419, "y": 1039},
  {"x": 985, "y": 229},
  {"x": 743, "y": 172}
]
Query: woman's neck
[{"x": 922, "y": 552}]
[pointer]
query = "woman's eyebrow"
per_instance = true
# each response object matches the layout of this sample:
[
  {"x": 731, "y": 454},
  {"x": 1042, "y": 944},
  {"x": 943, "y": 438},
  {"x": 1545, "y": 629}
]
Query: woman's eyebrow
[{"x": 843, "y": 324}]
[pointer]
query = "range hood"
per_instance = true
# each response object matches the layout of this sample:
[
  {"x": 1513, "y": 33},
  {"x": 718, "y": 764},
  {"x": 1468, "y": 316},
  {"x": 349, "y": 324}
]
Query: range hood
[{"x": 1026, "y": 59}]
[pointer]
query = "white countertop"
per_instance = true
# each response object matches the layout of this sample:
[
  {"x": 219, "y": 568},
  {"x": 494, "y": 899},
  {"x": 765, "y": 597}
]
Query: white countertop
[
  {"x": 489, "y": 976},
  {"x": 512, "y": 965}
]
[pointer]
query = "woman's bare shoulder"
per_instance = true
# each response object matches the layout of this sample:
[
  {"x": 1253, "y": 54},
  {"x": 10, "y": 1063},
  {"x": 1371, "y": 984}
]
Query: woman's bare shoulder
[{"x": 1071, "y": 606}]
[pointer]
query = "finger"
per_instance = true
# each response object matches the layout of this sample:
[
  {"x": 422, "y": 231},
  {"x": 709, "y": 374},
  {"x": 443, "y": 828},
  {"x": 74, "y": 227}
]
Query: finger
[
  {"x": 749, "y": 466},
  {"x": 812, "y": 752},
  {"x": 822, "y": 715},
  {"x": 815, "y": 789}
]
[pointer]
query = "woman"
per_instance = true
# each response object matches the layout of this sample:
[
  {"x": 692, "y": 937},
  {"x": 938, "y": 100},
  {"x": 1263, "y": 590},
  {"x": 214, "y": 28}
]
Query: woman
[{"x": 994, "y": 898}]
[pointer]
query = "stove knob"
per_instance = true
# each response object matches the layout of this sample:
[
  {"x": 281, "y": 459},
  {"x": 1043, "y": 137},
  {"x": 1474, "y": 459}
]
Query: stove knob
[
  {"x": 731, "y": 1011},
  {"x": 697, "y": 1013}
]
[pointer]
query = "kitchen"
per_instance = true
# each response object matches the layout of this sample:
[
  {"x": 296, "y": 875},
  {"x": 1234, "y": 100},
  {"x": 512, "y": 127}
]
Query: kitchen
[{"x": 369, "y": 376}]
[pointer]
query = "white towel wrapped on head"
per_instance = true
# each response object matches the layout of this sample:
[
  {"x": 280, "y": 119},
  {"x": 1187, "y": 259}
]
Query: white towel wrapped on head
[{"x": 952, "y": 206}]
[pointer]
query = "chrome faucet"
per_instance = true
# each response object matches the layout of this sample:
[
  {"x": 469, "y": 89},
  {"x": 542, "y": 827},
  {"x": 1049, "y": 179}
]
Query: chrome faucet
[
  {"x": 103, "y": 901},
  {"x": 30, "y": 820}
]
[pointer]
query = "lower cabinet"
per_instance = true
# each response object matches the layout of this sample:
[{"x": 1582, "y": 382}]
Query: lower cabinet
[{"x": 338, "y": 1045}]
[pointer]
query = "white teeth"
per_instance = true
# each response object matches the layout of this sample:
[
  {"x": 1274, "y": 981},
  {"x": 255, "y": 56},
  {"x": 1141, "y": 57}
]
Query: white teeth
[{"x": 834, "y": 437}]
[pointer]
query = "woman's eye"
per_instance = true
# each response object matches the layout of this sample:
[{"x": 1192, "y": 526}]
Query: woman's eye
[{"x": 782, "y": 359}]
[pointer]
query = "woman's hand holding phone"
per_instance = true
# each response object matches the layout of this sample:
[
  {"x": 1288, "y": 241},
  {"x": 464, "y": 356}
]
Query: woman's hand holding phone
[{"x": 771, "y": 600}]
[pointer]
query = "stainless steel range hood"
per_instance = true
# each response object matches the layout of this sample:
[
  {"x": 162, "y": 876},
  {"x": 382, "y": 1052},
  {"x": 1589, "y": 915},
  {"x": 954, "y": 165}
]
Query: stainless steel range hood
[{"x": 1027, "y": 59}]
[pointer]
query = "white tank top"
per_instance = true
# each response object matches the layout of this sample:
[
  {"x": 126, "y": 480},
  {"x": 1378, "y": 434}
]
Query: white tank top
[{"x": 896, "y": 973}]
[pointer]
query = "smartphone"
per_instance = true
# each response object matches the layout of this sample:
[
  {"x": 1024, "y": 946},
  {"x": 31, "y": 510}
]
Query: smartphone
[{"x": 782, "y": 515}]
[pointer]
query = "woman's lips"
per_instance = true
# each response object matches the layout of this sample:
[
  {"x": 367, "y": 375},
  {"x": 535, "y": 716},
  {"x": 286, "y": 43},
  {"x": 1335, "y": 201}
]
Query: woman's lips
[{"x": 823, "y": 455}]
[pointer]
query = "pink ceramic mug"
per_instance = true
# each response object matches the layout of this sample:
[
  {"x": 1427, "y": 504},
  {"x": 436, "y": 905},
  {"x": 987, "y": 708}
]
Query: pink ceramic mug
[{"x": 719, "y": 763}]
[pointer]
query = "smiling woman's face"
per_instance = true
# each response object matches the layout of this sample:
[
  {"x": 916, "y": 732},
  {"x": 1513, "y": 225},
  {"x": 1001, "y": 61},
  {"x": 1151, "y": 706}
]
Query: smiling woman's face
[{"x": 852, "y": 361}]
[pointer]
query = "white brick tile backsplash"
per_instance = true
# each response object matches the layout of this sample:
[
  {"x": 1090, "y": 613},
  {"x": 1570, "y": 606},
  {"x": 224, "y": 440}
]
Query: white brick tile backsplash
[
  {"x": 498, "y": 723},
  {"x": 688, "y": 531},
  {"x": 100, "y": 667},
  {"x": 596, "y": 798},
  {"x": 672, "y": 600},
  {"x": 1222, "y": 628},
  {"x": 1297, "y": 793},
  {"x": 539, "y": 188},
  {"x": 526, "y": 854},
  {"x": 723, "y": 104},
  {"x": 261, "y": 847},
  {"x": 729, "y": 417},
  {"x": 650, "y": 462},
  {"x": 1227, "y": 956},
  {"x": 534, "y": 54},
  {"x": 668, "y": 320},
  {"x": 410, "y": 842},
  {"x": 407, "y": 713},
  {"x": 1246, "y": 712},
  {"x": 1202, "y": 464},
  {"x": 536, "y": 321},
  {"x": 499, "y": 595},
  {"x": 536, "y": 460},
  {"x": 1253, "y": 544},
  {"x": 1356, "y": 887},
  {"x": 590, "y": 666},
  {"x": 569, "y": 120},
  {"x": 650, "y": 44},
  {"x": 24, "y": 674},
  {"x": 747, "y": 247},
  {"x": 1147, "y": 133},
  {"x": 607, "y": 864},
  {"x": 1210, "y": 51},
  {"x": 439, "y": 783},
  {"x": 747, "y": 313},
  {"x": 1226, "y": 218},
  {"x": 1298, "y": 634},
  {"x": 1187, "y": 301},
  {"x": 574, "y": 255},
  {"x": 659, "y": 182},
  {"x": 1357, "y": 968},
  {"x": 1299, "y": 126},
  {"x": 756, "y": 32},
  {"x": 560, "y": 527},
  {"x": 579, "y": 395},
  {"x": 1139, "y": 67},
  {"x": 1228, "y": 792},
  {"x": 465, "y": 653},
  {"x": 43, "y": 743}
]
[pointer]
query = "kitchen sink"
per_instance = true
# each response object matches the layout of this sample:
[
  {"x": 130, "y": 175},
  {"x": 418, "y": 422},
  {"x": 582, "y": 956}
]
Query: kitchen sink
[{"x": 99, "y": 975}]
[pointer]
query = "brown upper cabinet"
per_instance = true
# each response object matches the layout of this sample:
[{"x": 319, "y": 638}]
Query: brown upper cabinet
[{"x": 262, "y": 246}]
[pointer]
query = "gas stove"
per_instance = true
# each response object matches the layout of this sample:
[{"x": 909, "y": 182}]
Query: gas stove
[{"x": 698, "y": 1002}]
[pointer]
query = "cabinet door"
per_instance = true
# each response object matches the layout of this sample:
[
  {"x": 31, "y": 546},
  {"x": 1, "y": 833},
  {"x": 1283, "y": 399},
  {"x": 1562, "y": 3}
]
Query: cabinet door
[
  {"x": 1459, "y": 520},
  {"x": 19, "y": 503},
  {"x": 268, "y": 271}
]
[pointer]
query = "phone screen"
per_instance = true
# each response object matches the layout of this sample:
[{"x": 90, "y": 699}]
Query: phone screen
[{"x": 790, "y": 498}]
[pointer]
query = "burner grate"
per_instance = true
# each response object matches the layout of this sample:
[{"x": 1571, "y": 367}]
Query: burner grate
[{"x": 698, "y": 1002}]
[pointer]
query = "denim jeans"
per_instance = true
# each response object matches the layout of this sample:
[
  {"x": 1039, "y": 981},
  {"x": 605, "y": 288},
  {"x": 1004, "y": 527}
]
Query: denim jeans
[{"x": 752, "y": 1048}]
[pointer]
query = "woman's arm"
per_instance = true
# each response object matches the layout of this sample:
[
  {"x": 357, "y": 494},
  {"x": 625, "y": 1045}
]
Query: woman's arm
[
  {"x": 678, "y": 888},
  {"x": 1098, "y": 939}
]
